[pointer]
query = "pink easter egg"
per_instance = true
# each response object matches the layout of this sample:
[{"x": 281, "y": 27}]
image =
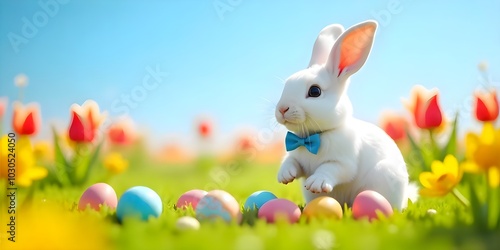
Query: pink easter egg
[
  {"x": 276, "y": 209},
  {"x": 97, "y": 195},
  {"x": 367, "y": 203},
  {"x": 191, "y": 197},
  {"x": 240, "y": 218}
]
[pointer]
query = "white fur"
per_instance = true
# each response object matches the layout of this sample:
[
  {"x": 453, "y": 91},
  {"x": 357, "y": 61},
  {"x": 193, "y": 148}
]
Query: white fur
[
  {"x": 324, "y": 43},
  {"x": 354, "y": 155}
]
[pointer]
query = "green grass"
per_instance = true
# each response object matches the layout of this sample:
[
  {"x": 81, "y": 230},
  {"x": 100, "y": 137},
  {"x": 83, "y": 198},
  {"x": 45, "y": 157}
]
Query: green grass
[{"x": 450, "y": 228}]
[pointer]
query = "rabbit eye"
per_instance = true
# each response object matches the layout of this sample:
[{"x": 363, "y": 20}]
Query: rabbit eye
[{"x": 314, "y": 91}]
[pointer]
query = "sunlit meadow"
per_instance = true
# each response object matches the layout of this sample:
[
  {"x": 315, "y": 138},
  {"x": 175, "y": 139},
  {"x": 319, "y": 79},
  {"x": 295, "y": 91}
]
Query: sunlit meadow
[{"x": 458, "y": 178}]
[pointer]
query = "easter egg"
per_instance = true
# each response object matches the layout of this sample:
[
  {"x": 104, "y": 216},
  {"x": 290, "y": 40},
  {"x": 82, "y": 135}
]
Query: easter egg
[
  {"x": 217, "y": 204},
  {"x": 190, "y": 198},
  {"x": 367, "y": 203},
  {"x": 239, "y": 218},
  {"x": 323, "y": 207},
  {"x": 97, "y": 195},
  {"x": 139, "y": 201},
  {"x": 277, "y": 209},
  {"x": 187, "y": 223},
  {"x": 431, "y": 212},
  {"x": 257, "y": 199}
]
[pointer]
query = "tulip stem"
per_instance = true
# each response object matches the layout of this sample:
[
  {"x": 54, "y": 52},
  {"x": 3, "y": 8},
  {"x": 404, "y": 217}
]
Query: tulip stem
[
  {"x": 418, "y": 150},
  {"x": 460, "y": 197},
  {"x": 435, "y": 148}
]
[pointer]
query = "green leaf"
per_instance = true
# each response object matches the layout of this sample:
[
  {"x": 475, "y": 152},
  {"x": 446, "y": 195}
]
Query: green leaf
[
  {"x": 493, "y": 209},
  {"x": 477, "y": 207},
  {"x": 498, "y": 206},
  {"x": 474, "y": 202},
  {"x": 62, "y": 165}
]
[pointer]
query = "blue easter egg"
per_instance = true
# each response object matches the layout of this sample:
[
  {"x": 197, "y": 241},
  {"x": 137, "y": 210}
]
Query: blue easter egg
[
  {"x": 141, "y": 202},
  {"x": 257, "y": 199}
]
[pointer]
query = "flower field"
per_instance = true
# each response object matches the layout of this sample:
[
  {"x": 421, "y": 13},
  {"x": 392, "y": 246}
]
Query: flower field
[{"x": 458, "y": 176}]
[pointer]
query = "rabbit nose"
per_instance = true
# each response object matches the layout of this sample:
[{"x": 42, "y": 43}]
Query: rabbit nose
[{"x": 283, "y": 110}]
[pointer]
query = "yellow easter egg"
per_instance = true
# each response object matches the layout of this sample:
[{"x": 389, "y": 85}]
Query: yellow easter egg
[{"x": 323, "y": 207}]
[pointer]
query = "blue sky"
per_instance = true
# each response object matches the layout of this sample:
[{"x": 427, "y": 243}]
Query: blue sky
[{"x": 229, "y": 65}]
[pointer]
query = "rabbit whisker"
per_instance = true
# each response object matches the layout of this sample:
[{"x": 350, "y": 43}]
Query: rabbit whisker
[
  {"x": 282, "y": 81},
  {"x": 269, "y": 101},
  {"x": 306, "y": 131},
  {"x": 314, "y": 123}
]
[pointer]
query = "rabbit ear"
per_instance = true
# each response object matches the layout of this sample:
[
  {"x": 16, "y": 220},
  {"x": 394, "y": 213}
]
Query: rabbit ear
[
  {"x": 351, "y": 49},
  {"x": 324, "y": 43}
]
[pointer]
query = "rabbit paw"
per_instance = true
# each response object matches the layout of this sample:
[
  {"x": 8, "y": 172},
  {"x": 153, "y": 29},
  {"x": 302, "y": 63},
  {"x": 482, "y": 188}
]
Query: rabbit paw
[
  {"x": 287, "y": 174},
  {"x": 318, "y": 183}
]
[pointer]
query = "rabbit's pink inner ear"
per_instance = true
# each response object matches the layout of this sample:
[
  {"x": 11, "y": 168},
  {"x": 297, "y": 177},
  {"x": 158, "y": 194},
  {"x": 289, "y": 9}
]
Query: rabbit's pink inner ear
[{"x": 355, "y": 48}]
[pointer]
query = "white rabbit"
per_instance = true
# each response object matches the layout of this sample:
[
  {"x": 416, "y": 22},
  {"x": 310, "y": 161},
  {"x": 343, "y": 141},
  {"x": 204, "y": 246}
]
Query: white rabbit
[{"x": 353, "y": 155}]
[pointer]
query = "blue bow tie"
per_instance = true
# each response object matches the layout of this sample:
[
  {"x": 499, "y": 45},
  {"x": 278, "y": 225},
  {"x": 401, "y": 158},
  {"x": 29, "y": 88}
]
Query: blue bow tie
[{"x": 312, "y": 143}]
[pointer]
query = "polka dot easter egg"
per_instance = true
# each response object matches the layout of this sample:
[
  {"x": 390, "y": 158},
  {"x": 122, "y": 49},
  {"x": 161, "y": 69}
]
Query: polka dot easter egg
[{"x": 217, "y": 204}]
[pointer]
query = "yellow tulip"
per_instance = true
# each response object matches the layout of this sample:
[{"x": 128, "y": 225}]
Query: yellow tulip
[
  {"x": 444, "y": 177},
  {"x": 494, "y": 177},
  {"x": 42, "y": 151},
  {"x": 482, "y": 153},
  {"x": 115, "y": 163},
  {"x": 25, "y": 170}
]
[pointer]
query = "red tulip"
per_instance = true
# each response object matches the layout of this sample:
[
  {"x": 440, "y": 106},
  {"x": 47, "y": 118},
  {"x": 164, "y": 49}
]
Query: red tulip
[
  {"x": 245, "y": 143},
  {"x": 3, "y": 106},
  {"x": 80, "y": 130},
  {"x": 394, "y": 125},
  {"x": 424, "y": 106},
  {"x": 486, "y": 106},
  {"x": 121, "y": 133},
  {"x": 85, "y": 120},
  {"x": 205, "y": 128},
  {"x": 26, "y": 119}
]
